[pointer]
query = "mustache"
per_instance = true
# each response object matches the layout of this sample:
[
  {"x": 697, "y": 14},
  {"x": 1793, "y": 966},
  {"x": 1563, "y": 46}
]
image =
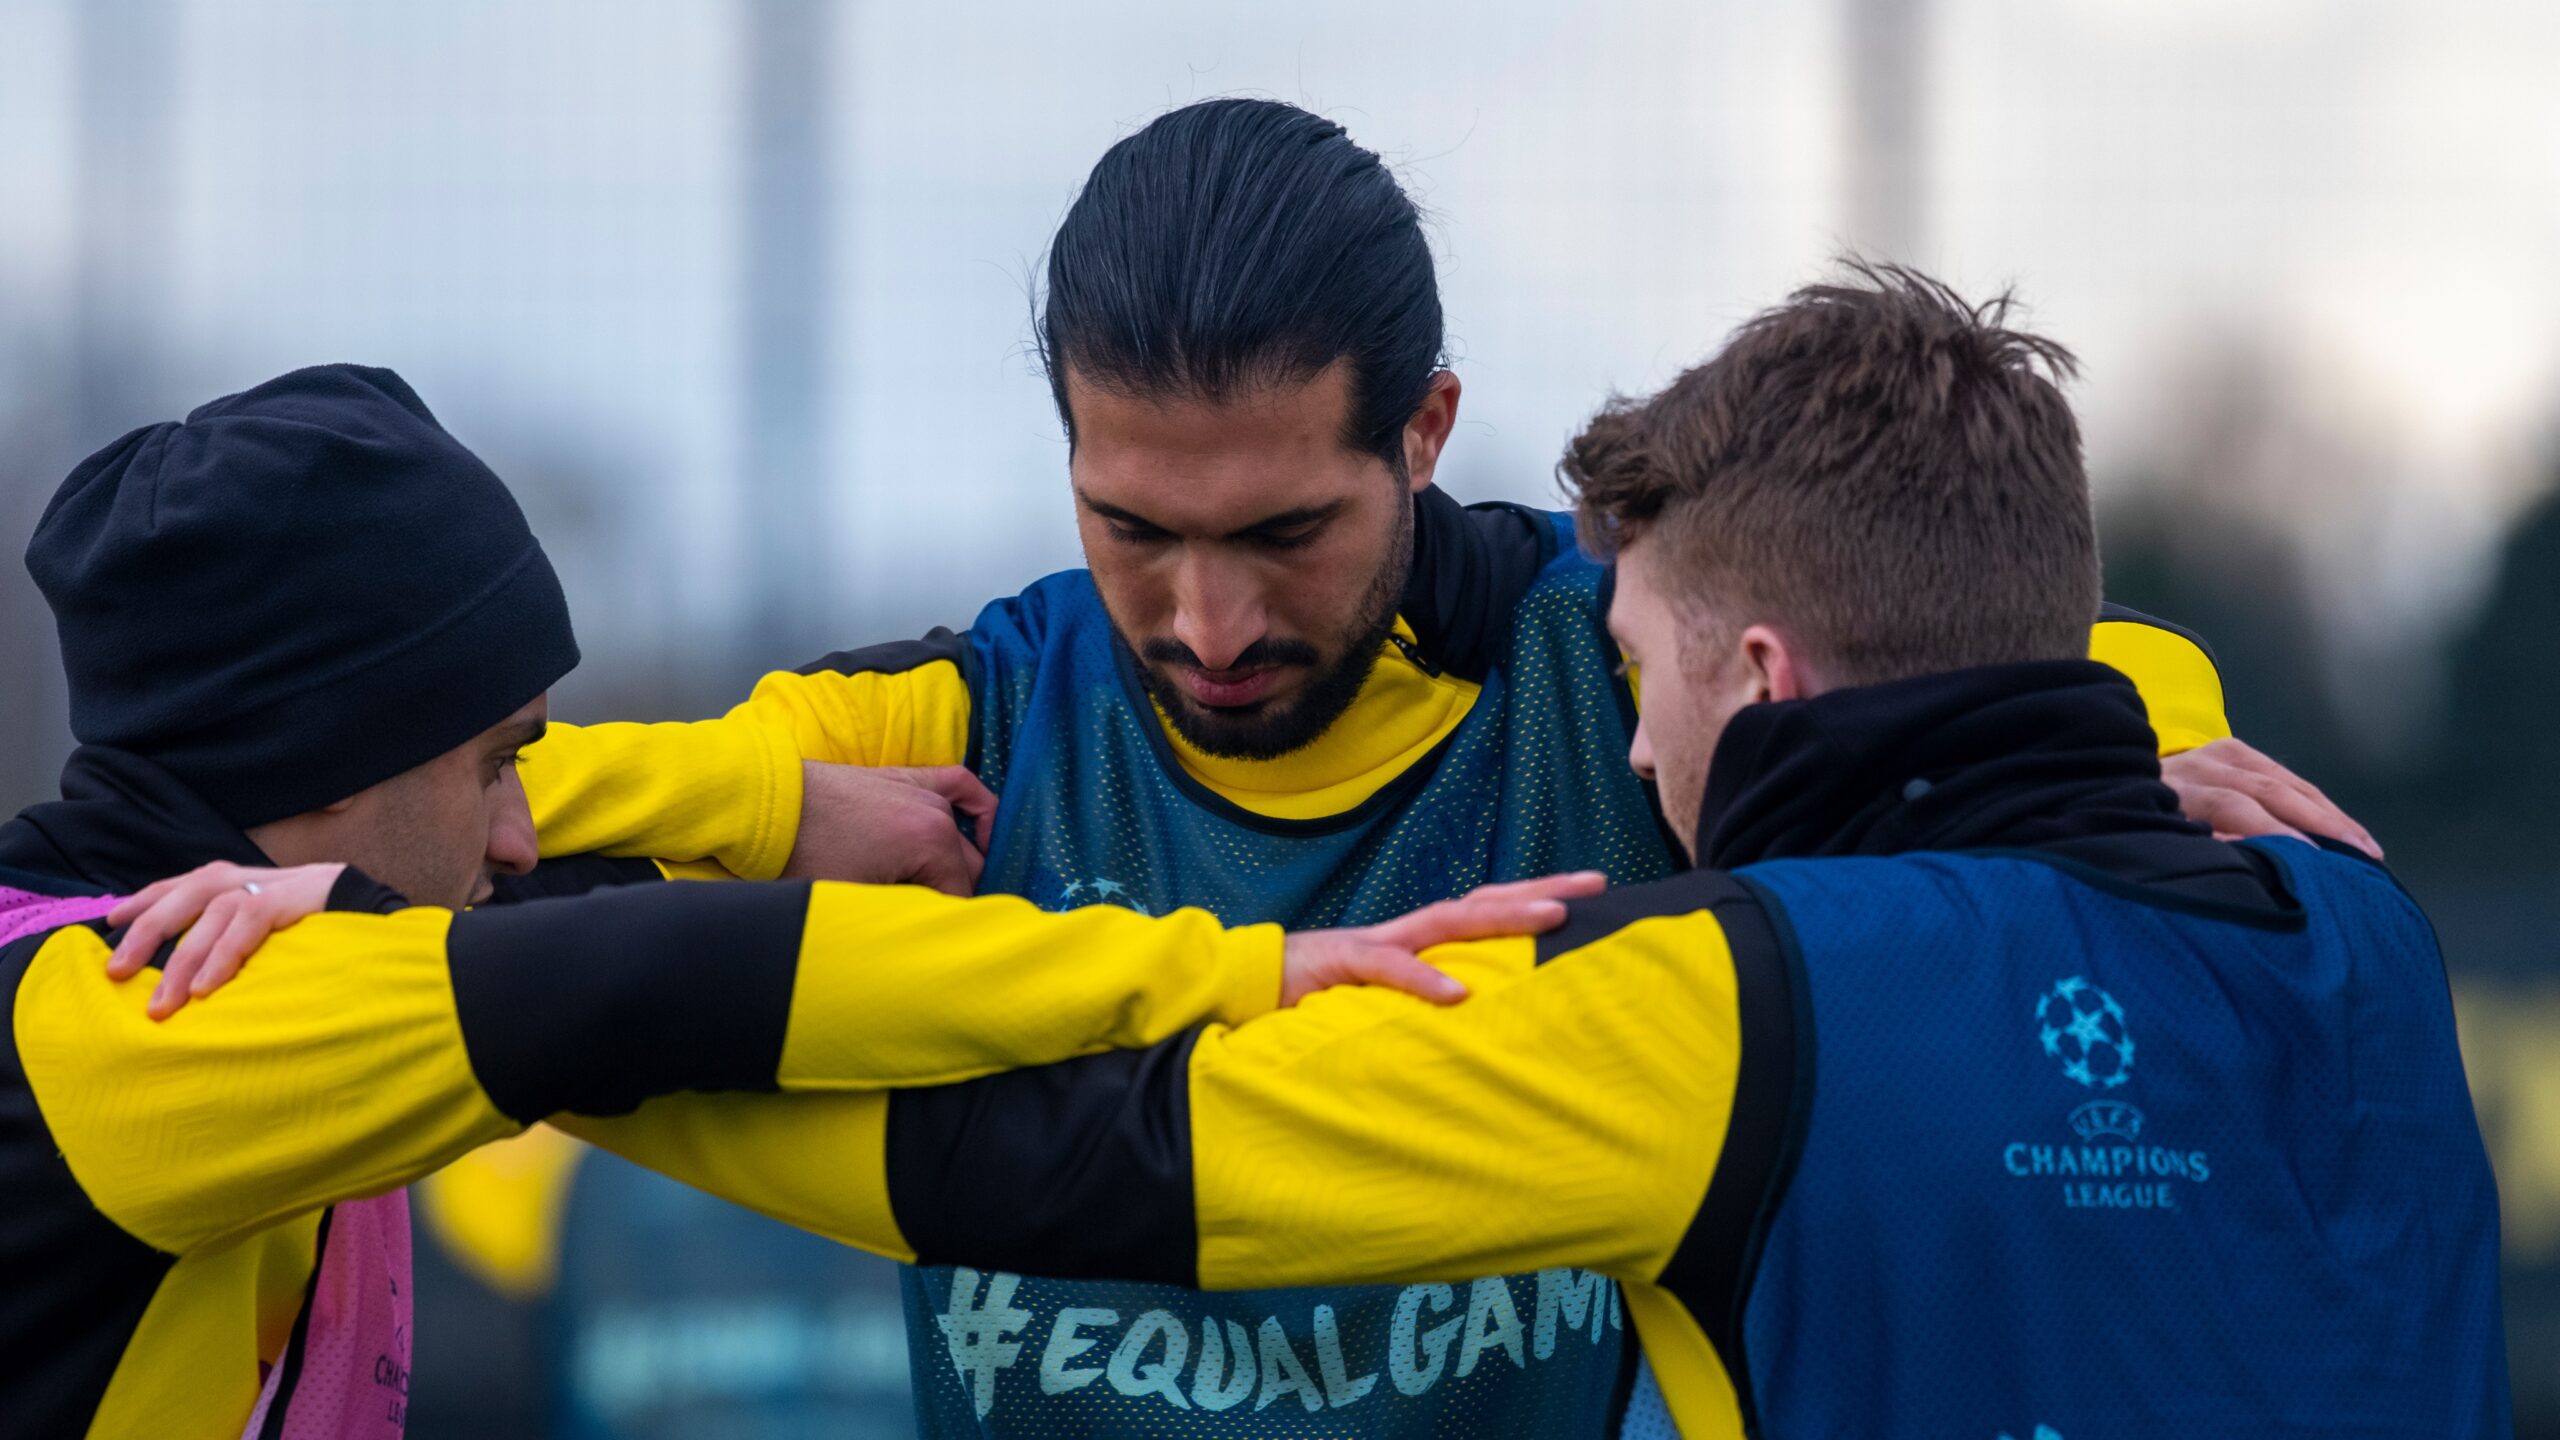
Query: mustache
[{"x": 1262, "y": 654}]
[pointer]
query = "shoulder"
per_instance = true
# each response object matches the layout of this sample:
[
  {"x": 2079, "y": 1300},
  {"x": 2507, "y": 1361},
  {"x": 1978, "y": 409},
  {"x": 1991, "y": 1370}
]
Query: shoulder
[
  {"x": 894, "y": 657},
  {"x": 1733, "y": 905},
  {"x": 1014, "y": 621}
]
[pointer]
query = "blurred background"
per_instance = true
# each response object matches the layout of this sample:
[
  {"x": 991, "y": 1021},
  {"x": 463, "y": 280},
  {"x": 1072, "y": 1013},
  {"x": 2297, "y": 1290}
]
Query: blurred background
[{"x": 736, "y": 295}]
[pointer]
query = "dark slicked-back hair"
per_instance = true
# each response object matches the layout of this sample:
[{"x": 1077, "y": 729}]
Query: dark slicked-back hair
[
  {"x": 1235, "y": 244},
  {"x": 1887, "y": 473}
]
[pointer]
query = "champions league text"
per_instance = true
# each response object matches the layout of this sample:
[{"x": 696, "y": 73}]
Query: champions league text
[{"x": 2101, "y": 1170}]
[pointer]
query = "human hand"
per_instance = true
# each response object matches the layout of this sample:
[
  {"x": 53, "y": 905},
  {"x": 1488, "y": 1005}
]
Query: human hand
[
  {"x": 891, "y": 825},
  {"x": 1386, "y": 954},
  {"x": 2241, "y": 793},
  {"x": 225, "y": 910}
]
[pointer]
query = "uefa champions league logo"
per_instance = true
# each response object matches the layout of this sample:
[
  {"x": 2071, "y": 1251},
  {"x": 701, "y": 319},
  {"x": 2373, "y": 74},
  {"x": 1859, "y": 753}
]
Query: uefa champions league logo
[
  {"x": 2113, "y": 1167},
  {"x": 2083, "y": 1026},
  {"x": 1099, "y": 891}
]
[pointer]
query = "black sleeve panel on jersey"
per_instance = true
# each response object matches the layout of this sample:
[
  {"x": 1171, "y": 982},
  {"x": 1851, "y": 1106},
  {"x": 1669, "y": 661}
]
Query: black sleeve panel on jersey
[
  {"x": 2110, "y": 610},
  {"x": 1471, "y": 565},
  {"x": 1710, "y": 1270},
  {"x": 573, "y": 875},
  {"x": 598, "y": 1003},
  {"x": 1077, "y": 1169},
  {"x": 355, "y": 890},
  {"x": 895, "y": 656}
]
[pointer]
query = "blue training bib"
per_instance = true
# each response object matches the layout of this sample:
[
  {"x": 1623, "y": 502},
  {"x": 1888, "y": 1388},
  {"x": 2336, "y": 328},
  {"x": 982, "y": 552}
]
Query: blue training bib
[
  {"x": 2087, "y": 1164},
  {"x": 1095, "y": 809}
]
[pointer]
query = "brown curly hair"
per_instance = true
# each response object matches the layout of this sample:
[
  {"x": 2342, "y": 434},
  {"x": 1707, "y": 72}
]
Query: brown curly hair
[{"x": 1888, "y": 473}]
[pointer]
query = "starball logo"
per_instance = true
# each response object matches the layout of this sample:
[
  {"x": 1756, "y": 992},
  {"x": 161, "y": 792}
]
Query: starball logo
[{"x": 2110, "y": 1169}]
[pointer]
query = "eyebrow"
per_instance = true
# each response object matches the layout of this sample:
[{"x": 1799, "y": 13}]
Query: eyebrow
[
  {"x": 522, "y": 733},
  {"x": 1285, "y": 520}
]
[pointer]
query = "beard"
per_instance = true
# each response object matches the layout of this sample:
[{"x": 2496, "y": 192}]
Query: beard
[{"x": 1271, "y": 729}]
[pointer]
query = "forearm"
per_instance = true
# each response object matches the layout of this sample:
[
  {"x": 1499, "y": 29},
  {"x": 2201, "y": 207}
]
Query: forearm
[
  {"x": 904, "y": 986},
  {"x": 598, "y": 1003},
  {"x": 723, "y": 790},
  {"x": 335, "y": 1068},
  {"x": 1566, "y": 1117},
  {"x": 729, "y": 791},
  {"x": 1563, "y": 1117},
  {"x": 852, "y": 709},
  {"x": 812, "y": 1161},
  {"x": 356, "y": 1051}
]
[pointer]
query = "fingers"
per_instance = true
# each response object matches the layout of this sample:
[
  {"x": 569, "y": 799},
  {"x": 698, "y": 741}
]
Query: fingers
[
  {"x": 1519, "y": 907},
  {"x": 946, "y": 859},
  {"x": 1321, "y": 959},
  {"x": 2234, "y": 816},
  {"x": 1471, "y": 918},
  {"x": 144, "y": 934},
  {"x": 246, "y": 932},
  {"x": 178, "y": 976},
  {"x": 1396, "y": 969},
  {"x": 935, "y": 853},
  {"x": 2301, "y": 804},
  {"x": 219, "y": 922},
  {"x": 889, "y": 825},
  {"x": 1571, "y": 885},
  {"x": 2241, "y": 792},
  {"x": 161, "y": 912},
  {"x": 949, "y": 864},
  {"x": 141, "y": 900},
  {"x": 965, "y": 793}
]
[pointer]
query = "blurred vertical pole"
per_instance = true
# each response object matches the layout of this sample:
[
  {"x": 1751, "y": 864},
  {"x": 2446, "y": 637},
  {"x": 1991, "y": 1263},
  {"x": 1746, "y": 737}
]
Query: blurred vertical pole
[
  {"x": 789, "y": 46},
  {"x": 122, "y": 183},
  {"x": 124, "y": 67},
  {"x": 789, "y": 229},
  {"x": 1888, "y": 160}
]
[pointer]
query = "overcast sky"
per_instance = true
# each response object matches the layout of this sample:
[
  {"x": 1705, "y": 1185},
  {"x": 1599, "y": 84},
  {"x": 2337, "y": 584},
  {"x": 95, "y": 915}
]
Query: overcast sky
[{"x": 533, "y": 210}]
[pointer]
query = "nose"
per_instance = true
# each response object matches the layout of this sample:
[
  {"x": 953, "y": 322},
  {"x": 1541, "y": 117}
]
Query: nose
[
  {"x": 513, "y": 847},
  {"x": 1640, "y": 752},
  {"x": 1218, "y": 610}
]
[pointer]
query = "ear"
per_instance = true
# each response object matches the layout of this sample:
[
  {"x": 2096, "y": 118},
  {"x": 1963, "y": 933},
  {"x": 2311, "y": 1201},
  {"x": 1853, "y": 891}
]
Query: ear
[
  {"x": 1428, "y": 431},
  {"x": 1777, "y": 672}
]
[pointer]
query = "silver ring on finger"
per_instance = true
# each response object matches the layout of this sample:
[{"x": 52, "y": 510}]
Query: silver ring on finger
[{"x": 252, "y": 887}]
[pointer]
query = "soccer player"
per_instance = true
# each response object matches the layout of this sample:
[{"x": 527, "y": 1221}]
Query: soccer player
[
  {"x": 1296, "y": 683},
  {"x": 306, "y": 625}
]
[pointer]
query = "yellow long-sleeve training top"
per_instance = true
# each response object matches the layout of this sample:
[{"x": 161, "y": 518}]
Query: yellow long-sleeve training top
[
  {"x": 162, "y": 1185},
  {"x": 1608, "y": 1099}
]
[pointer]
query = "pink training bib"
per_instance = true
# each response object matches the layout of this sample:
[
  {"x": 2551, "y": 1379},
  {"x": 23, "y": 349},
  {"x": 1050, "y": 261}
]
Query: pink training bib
[
  {"x": 349, "y": 1362},
  {"x": 24, "y": 913},
  {"x": 352, "y": 1382}
]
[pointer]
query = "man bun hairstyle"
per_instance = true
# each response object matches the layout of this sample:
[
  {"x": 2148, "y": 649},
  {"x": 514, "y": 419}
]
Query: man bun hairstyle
[
  {"x": 1235, "y": 244},
  {"x": 1888, "y": 474}
]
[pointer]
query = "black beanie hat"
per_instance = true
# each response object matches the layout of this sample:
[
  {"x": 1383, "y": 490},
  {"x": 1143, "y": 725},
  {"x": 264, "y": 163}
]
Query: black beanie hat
[{"x": 303, "y": 590}]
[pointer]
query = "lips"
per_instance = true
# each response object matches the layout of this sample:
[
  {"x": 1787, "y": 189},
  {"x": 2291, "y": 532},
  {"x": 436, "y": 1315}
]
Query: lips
[{"x": 1229, "y": 689}]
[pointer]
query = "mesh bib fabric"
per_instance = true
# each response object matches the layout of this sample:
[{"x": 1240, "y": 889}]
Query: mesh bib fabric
[
  {"x": 1095, "y": 810},
  {"x": 2087, "y": 1163}
]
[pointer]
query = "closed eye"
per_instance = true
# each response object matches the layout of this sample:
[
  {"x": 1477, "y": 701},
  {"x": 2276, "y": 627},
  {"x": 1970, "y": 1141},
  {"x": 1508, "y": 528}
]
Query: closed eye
[{"x": 1294, "y": 538}]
